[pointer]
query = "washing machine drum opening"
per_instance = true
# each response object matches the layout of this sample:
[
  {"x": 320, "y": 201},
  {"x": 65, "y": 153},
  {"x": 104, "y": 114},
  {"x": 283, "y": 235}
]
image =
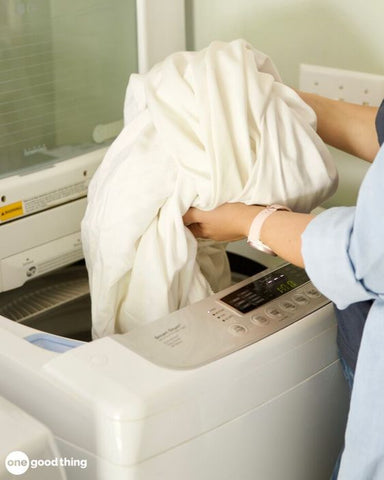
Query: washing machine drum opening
[
  {"x": 57, "y": 303},
  {"x": 60, "y": 303}
]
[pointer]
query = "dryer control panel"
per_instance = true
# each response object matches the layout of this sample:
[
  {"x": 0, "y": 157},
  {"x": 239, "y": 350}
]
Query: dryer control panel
[{"x": 227, "y": 321}]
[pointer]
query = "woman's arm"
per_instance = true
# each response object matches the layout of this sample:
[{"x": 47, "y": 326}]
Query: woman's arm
[
  {"x": 347, "y": 126},
  {"x": 281, "y": 231}
]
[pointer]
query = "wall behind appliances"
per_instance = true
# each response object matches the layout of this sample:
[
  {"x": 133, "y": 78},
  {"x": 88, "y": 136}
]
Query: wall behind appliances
[{"x": 343, "y": 34}]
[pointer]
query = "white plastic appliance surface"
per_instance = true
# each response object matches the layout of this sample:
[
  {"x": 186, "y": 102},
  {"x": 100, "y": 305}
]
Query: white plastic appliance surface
[
  {"x": 22, "y": 433},
  {"x": 273, "y": 409}
]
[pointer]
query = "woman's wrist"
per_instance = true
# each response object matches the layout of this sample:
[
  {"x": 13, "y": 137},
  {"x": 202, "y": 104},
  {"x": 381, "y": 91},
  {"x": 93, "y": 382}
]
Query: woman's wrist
[
  {"x": 249, "y": 214},
  {"x": 282, "y": 233}
]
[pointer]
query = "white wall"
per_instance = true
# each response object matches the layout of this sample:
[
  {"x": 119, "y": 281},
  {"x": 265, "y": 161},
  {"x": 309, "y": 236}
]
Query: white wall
[{"x": 337, "y": 33}]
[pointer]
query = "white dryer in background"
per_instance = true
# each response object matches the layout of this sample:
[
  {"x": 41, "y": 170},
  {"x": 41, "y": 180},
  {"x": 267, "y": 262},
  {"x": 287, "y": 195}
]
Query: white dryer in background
[{"x": 24, "y": 444}]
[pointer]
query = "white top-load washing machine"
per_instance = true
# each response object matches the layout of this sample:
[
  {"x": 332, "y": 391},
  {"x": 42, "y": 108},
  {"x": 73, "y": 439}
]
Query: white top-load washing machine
[
  {"x": 218, "y": 390},
  {"x": 245, "y": 384}
]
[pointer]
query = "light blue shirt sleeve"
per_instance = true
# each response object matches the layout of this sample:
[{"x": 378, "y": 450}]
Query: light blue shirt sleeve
[
  {"x": 326, "y": 253},
  {"x": 343, "y": 251},
  {"x": 343, "y": 247}
]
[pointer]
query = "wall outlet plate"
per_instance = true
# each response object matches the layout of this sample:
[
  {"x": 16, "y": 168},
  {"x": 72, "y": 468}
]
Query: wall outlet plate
[{"x": 345, "y": 85}]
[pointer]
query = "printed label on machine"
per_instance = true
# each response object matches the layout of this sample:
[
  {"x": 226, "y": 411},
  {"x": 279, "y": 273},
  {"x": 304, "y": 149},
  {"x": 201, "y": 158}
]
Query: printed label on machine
[
  {"x": 42, "y": 202},
  {"x": 171, "y": 336},
  {"x": 11, "y": 211}
]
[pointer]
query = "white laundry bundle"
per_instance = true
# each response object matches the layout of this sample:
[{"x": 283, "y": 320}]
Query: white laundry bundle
[{"x": 201, "y": 128}]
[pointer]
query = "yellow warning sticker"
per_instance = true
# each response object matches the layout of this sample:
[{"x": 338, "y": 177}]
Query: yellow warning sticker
[{"x": 11, "y": 211}]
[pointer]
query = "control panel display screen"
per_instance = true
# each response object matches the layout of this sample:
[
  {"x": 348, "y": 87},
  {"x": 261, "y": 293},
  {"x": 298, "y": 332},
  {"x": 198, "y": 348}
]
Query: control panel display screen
[{"x": 266, "y": 288}]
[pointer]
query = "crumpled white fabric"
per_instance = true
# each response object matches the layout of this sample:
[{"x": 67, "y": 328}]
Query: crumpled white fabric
[{"x": 201, "y": 128}]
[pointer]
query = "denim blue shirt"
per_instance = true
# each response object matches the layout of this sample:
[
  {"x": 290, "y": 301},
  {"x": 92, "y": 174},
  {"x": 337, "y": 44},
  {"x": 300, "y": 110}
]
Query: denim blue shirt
[
  {"x": 351, "y": 320},
  {"x": 343, "y": 250}
]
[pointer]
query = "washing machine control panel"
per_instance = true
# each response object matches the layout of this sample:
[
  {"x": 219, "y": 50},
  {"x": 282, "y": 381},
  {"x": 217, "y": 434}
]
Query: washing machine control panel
[
  {"x": 240, "y": 315},
  {"x": 257, "y": 299}
]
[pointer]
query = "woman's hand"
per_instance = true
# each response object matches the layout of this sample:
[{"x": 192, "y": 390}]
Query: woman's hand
[
  {"x": 229, "y": 222},
  {"x": 281, "y": 231}
]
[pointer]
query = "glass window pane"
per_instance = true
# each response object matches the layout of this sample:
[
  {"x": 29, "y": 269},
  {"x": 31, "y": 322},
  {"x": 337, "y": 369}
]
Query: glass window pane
[{"x": 64, "y": 68}]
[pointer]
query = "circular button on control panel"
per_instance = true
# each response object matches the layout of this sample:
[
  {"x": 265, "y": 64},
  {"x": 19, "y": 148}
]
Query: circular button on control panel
[
  {"x": 312, "y": 292},
  {"x": 259, "y": 320},
  {"x": 300, "y": 299},
  {"x": 288, "y": 306},
  {"x": 237, "y": 329},
  {"x": 274, "y": 312}
]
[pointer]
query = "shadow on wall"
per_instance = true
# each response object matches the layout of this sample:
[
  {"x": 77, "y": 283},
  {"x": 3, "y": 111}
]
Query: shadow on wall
[{"x": 289, "y": 34}]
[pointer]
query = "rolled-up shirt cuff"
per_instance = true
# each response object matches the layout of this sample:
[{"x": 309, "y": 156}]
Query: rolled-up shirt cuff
[{"x": 325, "y": 250}]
